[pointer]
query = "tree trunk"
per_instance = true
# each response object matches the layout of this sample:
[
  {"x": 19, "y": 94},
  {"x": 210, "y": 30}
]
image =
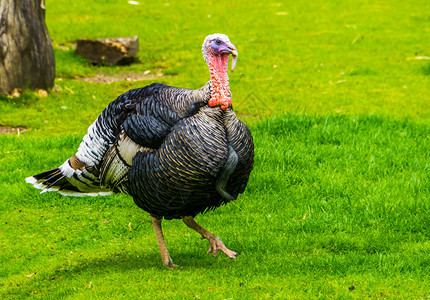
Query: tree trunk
[{"x": 26, "y": 54}]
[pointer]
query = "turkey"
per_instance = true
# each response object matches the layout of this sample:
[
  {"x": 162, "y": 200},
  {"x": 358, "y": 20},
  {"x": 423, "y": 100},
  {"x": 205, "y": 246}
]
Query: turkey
[{"x": 177, "y": 152}]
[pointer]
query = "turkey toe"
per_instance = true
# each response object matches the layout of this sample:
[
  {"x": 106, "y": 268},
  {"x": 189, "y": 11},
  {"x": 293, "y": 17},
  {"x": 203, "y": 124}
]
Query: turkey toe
[{"x": 216, "y": 244}]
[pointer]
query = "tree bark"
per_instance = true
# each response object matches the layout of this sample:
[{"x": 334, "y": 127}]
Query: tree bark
[{"x": 26, "y": 53}]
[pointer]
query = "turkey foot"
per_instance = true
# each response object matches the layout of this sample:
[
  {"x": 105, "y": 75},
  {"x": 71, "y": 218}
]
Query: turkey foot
[
  {"x": 167, "y": 260},
  {"x": 215, "y": 242}
]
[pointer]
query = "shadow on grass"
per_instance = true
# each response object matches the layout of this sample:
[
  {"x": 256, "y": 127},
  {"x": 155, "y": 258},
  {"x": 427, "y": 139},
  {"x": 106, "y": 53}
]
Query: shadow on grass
[
  {"x": 77, "y": 275},
  {"x": 136, "y": 261},
  {"x": 426, "y": 70}
]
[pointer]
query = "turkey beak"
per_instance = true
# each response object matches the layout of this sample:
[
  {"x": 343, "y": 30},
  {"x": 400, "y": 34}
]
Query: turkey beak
[
  {"x": 234, "y": 54},
  {"x": 229, "y": 48},
  {"x": 233, "y": 51}
]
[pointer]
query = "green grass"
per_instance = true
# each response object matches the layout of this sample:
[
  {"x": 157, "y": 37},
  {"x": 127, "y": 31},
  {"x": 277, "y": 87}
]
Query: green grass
[{"x": 340, "y": 194}]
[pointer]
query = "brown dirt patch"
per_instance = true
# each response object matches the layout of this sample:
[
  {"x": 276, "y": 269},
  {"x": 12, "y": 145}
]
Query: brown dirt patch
[
  {"x": 130, "y": 76},
  {"x": 4, "y": 129}
]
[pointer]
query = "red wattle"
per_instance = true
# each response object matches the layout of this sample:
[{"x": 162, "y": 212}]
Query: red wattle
[{"x": 223, "y": 103}]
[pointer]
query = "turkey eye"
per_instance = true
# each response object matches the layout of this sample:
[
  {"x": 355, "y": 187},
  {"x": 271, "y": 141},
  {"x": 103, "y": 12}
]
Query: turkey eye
[{"x": 218, "y": 42}]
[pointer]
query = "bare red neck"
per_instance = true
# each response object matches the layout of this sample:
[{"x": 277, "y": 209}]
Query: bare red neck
[{"x": 220, "y": 94}]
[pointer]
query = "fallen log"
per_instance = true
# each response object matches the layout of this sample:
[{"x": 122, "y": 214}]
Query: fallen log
[{"x": 110, "y": 51}]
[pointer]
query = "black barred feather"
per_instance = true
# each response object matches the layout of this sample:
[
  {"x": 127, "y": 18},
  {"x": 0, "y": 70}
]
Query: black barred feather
[
  {"x": 50, "y": 178},
  {"x": 153, "y": 130}
]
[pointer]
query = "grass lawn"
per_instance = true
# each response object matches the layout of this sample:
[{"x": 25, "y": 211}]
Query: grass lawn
[{"x": 337, "y": 97}]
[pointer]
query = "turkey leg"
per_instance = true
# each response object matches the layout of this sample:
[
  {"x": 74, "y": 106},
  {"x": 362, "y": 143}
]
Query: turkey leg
[
  {"x": 167, "y": 261},
  {"x": 215, "y": 242}
]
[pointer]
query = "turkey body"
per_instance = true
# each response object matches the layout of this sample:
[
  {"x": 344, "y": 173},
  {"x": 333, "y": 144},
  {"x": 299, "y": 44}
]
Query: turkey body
[
  {"x": 174, "y": 154},
  {"x": 177, "y": 172},
  {"x": 169, "y": 149}
]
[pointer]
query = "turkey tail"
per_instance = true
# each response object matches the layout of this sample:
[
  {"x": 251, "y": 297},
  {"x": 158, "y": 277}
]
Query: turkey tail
[
  {"x": 68, "y": 181},
  {"x": 52, "y": 180}
]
